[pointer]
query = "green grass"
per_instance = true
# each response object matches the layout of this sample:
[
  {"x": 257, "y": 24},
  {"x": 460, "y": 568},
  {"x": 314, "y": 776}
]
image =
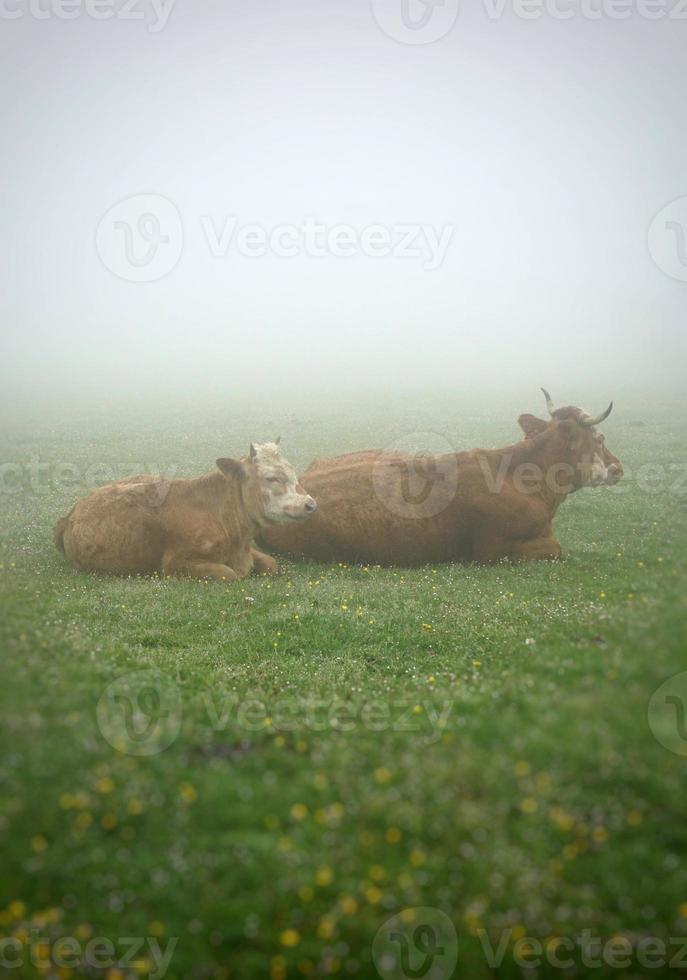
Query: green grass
[{"x": 540, "y": 803}]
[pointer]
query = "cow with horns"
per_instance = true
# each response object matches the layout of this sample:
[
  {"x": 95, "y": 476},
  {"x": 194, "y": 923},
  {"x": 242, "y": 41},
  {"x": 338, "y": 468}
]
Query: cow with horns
[{"x": 484, "y": 505}]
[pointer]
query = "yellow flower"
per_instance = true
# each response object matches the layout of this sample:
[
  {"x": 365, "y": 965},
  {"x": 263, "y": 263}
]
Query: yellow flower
[
  {"x": 38, "y": 843},
  {"x": 562, "y": 819},
  {"x": 325, "y": 927},
  {"x": 306, "y": 893},
  {"x": 376, "y": 872},
  {"x": 53, "y": 914},
  {"x": 682, "y": 910},
  {"x": 188, "y": 793},
  {"x": 634, "y": 818},
  {"x": 105, "y": 785},
  {"x": 600, "y": 835},
  {"x": 278, "y": 968},
  {"x": 373, "y": 895},
  {"x": 108, "y": 821},
  {"x": 17, "y": 909},
  {"x": 417, "y": 858},
  {"x": 324, "y": 876},
  {"x": 289, "y": 938},
  {"x": 84, "y": 820},
  {"x": 348, "y": 904},
  {"x": 393, "y": 835},
  {"x": 134, "y": 806},
  {"x": 299, "y": 811},
  {"x": 382, "y": 775},
  {"x": 42, "y": 954},
  {"x": 528, "y": 805}
]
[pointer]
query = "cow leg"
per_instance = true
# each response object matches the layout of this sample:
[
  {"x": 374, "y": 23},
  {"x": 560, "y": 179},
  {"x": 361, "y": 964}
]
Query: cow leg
[
  {"x": 536, "y": 548},
  {"x": 264, "y": 563},
  {"x": 488, "y": 548},
  {"x": 197, "y": 568}
]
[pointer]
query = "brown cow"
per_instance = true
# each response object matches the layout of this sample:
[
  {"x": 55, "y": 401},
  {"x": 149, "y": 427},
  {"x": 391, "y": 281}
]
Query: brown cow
[
  {"x": 203, "y": 528},
  {"x": 482, "y": 505}
]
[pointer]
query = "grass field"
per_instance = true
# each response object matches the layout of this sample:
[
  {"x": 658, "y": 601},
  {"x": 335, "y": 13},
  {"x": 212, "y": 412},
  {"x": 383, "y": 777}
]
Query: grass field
[{"x": 352, "y": 742}]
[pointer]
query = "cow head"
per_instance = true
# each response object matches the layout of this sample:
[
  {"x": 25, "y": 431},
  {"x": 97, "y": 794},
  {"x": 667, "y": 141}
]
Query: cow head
[
  {"x": 269, "y": 484},
  {"x": 594, "y": 464}
]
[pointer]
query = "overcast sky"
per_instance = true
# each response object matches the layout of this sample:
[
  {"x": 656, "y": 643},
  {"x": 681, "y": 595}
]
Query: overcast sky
[{"x": 288, "y": 151}]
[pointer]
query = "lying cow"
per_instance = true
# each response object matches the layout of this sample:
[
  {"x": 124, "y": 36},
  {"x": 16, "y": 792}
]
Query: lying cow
[
  {"x": 482, "y": 505},
  {"x": 203, "y": 528}
]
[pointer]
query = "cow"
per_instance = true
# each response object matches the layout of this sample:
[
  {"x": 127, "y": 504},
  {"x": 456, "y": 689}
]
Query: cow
[
  {"x": 484, "y": 505},
  {"x": 201, "y": 528}
]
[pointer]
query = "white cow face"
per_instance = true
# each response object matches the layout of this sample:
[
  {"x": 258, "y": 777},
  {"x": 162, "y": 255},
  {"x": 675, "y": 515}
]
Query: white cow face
[{"x": 270, "y": 485}]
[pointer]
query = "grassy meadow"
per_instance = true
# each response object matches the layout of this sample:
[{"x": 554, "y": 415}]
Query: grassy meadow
[{"x": 345, "y": 743}]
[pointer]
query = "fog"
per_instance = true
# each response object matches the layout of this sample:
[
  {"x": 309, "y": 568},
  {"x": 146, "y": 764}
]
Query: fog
[{"x": 520, "y": 161}]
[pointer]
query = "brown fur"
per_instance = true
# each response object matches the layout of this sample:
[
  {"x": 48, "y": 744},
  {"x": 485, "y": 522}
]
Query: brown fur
[
  {"x": 202, "y": 527},
  {"x": 362, "y": 515}
]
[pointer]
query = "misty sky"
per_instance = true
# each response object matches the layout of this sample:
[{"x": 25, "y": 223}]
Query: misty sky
[{"x": 547, "y": 145}]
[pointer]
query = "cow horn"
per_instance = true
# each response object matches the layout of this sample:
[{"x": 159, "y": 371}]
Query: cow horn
[
  {"x": 253, "y": 452},
  {"x": 549, "y": 401},
  {"x": 589, "y": 421}
]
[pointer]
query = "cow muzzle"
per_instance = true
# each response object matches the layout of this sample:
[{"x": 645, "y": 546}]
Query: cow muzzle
[{"x": 299, "y": 512}]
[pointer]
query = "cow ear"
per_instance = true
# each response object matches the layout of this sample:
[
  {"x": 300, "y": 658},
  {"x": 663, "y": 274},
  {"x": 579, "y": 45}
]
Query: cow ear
[
  {"x": 231, "y": 467},
  {"x": 531, "y": 425}
]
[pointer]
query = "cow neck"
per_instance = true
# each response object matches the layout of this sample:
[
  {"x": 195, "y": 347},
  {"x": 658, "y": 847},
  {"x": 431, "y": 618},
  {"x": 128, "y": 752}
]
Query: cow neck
[
  {"x": 229, "y": 505},
  {"x": 545, "y": 450}
]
